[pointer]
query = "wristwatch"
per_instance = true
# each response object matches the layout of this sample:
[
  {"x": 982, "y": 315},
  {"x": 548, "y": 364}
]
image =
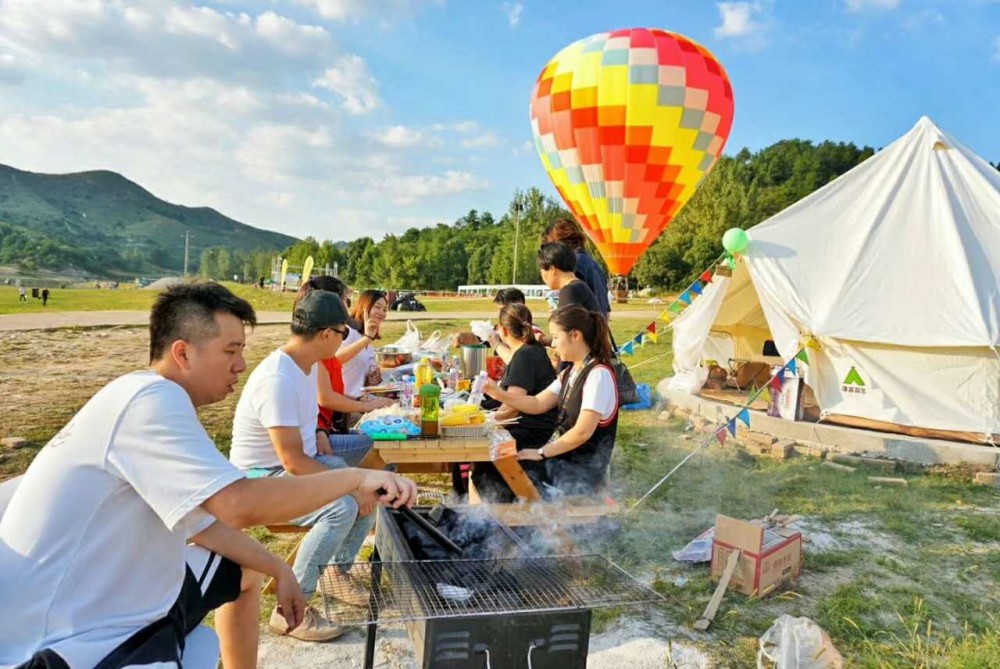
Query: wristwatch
[{"x": 541, "y": 452}]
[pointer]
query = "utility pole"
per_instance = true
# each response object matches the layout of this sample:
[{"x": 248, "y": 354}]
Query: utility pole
[
  {"x": 187, "y": 248},
  {"x": 517, "y": 233}
]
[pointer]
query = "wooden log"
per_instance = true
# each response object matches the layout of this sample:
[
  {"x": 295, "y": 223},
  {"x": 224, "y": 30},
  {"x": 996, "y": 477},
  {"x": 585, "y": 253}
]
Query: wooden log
[
  {"x": 713, "y": 604},
  {"x": 839, "y": 467},
  {"x": 885, "y": 480}
]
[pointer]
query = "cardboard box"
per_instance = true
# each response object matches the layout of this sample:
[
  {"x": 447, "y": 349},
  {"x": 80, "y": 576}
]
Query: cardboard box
[{"x": 771, "y": 557}]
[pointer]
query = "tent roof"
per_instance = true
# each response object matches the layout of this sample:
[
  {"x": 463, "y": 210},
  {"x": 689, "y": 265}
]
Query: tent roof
[{"x": 903, "y": 249}]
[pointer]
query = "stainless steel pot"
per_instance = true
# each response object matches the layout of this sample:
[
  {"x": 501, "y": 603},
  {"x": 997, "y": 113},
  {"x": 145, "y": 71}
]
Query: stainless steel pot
[{"x": 473, "y": 360}]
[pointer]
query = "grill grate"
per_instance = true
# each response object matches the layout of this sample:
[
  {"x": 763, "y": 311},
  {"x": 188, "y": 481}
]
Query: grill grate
[{"x": 423, "y": 589}]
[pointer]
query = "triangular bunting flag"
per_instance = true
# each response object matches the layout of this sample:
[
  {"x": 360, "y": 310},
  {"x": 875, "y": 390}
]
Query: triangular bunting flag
[
  {"x": 627, "y": 349},
  {"x": 651, "y": 337},
  {"x": 776, "y": 382},
  {"x": 675, "y": 308},
  {"x": 685, "y": 297},
  {"x": 744, "y": 417},
  {"x": 696, "y": 288},
  {"x": 803, "y": 356},
  {"x": 666, "y": 317},
  {"x": 765, "y": 395},
  {"x": 720, "y": 434},
  {"x": 706, "y": 276},
  {"x": 791, "y": 366},
  {"x": 731, "y": 426},
  {"x": 651, "y": 327},
  {"x": 813, "y": 344},
  {"x": 639, "y": 340}
]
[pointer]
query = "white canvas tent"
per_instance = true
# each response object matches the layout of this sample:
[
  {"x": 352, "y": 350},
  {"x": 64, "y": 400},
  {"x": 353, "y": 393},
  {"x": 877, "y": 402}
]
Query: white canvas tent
[{"x": 894, "y": 269}]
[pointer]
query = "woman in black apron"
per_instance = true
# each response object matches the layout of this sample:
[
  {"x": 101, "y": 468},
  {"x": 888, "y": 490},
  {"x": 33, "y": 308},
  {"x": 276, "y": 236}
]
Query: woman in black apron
[{"x": 577, "y": 458}]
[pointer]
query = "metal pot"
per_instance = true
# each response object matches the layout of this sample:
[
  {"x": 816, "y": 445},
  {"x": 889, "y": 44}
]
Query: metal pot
[
  {"x": 473, "y": 360},
  {"x": 390, "y": 357}
]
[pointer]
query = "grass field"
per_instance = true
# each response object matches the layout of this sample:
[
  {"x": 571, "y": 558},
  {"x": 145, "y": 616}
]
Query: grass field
[
  {"x": 902, "y": 577},
  {"x": 130, "y": 298}
]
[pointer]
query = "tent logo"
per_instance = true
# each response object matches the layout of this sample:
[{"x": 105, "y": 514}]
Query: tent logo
[{"x": 853, "y": 384}]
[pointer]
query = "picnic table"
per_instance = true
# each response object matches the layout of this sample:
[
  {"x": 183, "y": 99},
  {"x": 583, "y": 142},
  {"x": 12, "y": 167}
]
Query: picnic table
[{"x": 436, "y": 455}]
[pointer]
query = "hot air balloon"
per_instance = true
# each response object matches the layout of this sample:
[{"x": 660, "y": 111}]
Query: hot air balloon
[{"x": 627, "y": 124}]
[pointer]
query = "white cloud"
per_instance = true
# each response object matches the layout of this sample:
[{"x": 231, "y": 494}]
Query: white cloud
[
  {"x": 402, "y": 137},
  {"x": 487, "y": 140},
  {"x": 12, "y": 71},
  {"x": 513, "y": 11},
  {"x": 408, "y": 189},
  {"x": 856, "y": 6},
  {"x": 747, "y": 22},
  {"x": 350, "y": 79},
  {"x": 355, "y": 10},
  {"x": 464, "y": 127},
  {"x": 524, "y": 148}
]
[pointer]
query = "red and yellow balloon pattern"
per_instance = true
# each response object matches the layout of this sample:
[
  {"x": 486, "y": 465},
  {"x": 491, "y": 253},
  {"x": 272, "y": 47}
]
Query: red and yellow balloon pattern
[{"x": 627, "y": 124}]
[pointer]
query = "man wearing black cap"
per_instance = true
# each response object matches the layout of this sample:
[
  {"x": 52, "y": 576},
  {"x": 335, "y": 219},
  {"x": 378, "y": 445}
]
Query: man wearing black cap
[{"x": 274, "y": 434}]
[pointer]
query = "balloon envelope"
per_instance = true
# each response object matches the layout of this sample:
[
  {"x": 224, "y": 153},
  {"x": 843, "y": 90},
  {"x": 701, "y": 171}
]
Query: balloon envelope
[
  {"x": 627, "y": 124},
  {"x": 735, "y": 240}
]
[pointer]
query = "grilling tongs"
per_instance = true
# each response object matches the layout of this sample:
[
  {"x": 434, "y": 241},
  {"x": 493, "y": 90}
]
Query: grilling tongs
[{"x": 439, "y": 537}]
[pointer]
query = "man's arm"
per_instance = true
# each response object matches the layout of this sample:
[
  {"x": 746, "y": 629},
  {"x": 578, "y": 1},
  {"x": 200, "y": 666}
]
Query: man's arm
[
  {"x": 246, "y": 552},
  {"x": 287, "y": 443},
  {"x": 279, "y": 499}
]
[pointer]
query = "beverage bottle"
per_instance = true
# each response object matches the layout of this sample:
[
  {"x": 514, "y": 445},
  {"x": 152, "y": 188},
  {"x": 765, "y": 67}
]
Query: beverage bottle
[
  {"x": 476, "y": 396},
  {"x": 430, "y": 405},
  {"x": 407, "y": 393}
]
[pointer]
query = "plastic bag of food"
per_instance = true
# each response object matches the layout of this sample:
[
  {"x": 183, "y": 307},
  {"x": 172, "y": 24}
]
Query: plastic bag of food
[
  {"x": 435, "y": 344},
  {"x": 482, "y": 329},
  {"x": 502, "y": 444},
  {"x": 410, "y": 341},
  {"x": 797, "y": 643}
]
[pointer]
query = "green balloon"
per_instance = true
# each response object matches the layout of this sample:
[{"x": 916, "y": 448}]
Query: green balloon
[{"x": 735, "y": 240}]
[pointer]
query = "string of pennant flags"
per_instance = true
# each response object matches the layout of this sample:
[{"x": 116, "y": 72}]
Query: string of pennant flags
[
  {"x": 651, "y": 332},
  {"x": 728, "y": 428}
]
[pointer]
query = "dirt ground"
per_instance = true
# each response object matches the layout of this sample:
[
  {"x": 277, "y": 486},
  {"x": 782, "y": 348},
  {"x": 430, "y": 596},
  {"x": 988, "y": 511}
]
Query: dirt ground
[{"x": 865, "y": 578}]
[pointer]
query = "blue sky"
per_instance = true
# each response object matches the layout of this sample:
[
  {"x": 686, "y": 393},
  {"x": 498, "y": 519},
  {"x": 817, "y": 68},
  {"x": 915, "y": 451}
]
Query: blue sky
[{"x": 339, "y": 118}]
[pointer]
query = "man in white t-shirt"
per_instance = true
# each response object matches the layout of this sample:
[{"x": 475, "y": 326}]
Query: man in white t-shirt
[
  {"x": 95, "y": 566},
  {"x": 274, "y": 434}
]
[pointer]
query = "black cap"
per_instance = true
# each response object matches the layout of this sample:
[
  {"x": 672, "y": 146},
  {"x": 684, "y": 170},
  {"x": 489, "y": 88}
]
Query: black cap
[{"x": 319, "y": 309}]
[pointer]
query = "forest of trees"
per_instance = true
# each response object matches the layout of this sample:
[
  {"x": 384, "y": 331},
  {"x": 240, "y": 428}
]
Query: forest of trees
[{"x": 741, "y": 191}]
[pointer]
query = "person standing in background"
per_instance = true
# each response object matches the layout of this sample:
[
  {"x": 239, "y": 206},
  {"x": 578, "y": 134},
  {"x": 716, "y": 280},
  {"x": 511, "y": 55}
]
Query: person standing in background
[{"x": 45, "y": 296}]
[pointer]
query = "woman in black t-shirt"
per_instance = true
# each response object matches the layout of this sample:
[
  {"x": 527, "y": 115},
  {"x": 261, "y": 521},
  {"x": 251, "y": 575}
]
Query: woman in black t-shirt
[{"x": 529, "y": 372}]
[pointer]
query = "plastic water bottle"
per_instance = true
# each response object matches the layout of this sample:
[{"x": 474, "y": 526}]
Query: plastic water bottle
[
  {"x": 476, "y": 396},
  {"x": 407, "y": 391}
]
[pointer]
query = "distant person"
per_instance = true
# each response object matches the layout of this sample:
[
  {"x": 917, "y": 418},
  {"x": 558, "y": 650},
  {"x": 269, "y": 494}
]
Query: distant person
[
  {"x": 22, "y": 294},
  {"x": 587, "y": 270},
  {"x": 260, "y": 283},
  {"x": 45, "y": 296}
]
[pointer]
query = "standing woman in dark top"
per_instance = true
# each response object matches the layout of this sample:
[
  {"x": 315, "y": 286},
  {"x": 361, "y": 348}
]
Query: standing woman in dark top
[
  {"x": 588, "y": 270},
  {"x": 529, "y": 372},
  {"x": 586, "y": 395}
]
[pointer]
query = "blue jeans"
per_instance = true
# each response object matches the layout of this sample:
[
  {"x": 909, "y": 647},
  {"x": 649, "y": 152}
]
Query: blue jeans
[{"x": 337, "y": 530}]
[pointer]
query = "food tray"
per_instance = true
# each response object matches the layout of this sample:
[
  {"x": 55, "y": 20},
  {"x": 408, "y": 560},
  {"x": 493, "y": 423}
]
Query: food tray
[{"x": 465, "y": 431}]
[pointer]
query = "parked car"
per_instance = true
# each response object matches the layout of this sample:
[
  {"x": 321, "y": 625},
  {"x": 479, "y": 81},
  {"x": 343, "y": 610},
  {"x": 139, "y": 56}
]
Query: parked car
[{"x": 407, "y": 302}]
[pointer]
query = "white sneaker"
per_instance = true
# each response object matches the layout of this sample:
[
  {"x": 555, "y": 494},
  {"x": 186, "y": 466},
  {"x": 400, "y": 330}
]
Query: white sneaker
[{"x": 314, "y": 627}]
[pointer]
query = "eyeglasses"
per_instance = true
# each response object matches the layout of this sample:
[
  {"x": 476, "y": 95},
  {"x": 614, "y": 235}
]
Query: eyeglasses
[{"x": 343, "y": 333}]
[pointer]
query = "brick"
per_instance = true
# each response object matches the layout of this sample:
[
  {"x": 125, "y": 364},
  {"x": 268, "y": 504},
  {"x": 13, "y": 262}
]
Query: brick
[
  {"x": 13, "y": 442},
  {"x": 817, "y": 452},
  {"x": 987, "y": 478},
  {"x": 884, "y": 480},
  {"x": 845, "y": 459},
  {"x": 761, "y": 439},
  {"x": 880, "y": 464},
  {"x": 838, "y": 467},
  {"x": 783, "y": 450},
  {"x": 908, "y": 467}
]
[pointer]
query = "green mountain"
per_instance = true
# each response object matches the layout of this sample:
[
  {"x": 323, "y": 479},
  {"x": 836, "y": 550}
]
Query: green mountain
[{"x": 101, "y": 223}]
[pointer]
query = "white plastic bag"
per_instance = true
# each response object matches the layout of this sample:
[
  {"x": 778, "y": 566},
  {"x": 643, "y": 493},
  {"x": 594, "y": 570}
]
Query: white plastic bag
[
  {"x": 410, "y": 341},
  {"x": 436, "y": 344},
  {"x": 797, "y": 643},
  {"x": 482, "y": 329}
]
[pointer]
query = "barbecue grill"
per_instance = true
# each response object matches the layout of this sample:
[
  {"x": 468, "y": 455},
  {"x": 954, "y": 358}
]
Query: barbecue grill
[{"x": 498, "y": 606}]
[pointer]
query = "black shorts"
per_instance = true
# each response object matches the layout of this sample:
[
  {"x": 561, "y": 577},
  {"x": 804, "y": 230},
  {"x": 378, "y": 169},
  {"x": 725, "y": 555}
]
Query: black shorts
[{"x": 209, "y": 582}]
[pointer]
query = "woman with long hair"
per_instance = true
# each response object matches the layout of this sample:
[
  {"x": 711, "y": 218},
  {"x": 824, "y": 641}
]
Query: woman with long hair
[
  {"x": 576, "y": 459},
  {"x": 357, "y": 355},
  {"x": 334, "y": 405},
  {"x": 528, "y": 373},
  {"x": 587, "y": 269}
]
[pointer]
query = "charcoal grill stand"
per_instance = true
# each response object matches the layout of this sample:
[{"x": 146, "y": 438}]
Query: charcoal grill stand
[{"x": 373, "y": 599}]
